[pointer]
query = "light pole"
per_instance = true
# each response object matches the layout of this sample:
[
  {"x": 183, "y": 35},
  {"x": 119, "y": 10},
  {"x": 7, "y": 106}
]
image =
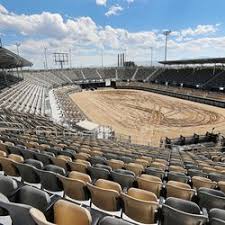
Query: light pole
[
  {"x": 17, "y": 47},
  {"x": 151, "y": 48},
  {"x": 46, "y": 62},
  {"x": 166, "y": 33},
  {"x": 70, "y": 58},
  {"x": 102, "y": 57}
]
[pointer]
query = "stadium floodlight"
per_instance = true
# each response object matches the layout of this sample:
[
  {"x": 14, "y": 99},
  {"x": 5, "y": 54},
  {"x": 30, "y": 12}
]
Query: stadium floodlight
[
  {"x": 46, "y": 61},
  {"x": 151, "y": 48},
  {"x": 17, "y": 47},
  {"x": 166, "y": 33}
]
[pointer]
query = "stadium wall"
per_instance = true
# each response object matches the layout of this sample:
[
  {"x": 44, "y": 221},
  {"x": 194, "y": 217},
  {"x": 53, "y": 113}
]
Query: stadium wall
[{"x": 217, "y": 103}]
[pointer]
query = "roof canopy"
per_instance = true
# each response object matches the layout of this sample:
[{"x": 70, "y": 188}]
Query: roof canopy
[
  {"x": 9, "y": 60},
  {"x": 194, "y": 61}
]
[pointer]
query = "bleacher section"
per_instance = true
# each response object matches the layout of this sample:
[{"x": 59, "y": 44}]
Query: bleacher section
[
  {"x": 70, "y": 180},
  {"x": 7, "y": 80},
  {"x": 70, "y": 113}
]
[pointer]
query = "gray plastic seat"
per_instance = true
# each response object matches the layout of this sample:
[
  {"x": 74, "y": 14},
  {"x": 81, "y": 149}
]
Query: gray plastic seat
[
  {"x": 125, "y": 178},
  {"x": 108, "y": 220},
  {"x": 209, "y": 198},
  {"x": 217, "y": 217},
  {"x": 178, "y": 211}
]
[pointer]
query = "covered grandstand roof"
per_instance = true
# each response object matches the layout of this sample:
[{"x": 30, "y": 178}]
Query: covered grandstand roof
[
  {"x": 9, "y": 60},
  {"x": 194, "y": 61}
]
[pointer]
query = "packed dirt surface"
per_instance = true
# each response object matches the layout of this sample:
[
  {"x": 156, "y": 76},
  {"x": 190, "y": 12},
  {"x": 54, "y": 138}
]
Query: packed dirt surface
[{"x": 147, "y": 117}]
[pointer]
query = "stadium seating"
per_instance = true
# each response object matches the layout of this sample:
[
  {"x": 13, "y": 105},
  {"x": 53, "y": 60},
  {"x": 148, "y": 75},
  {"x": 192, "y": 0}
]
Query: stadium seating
[{"x": 107, "y": 179}]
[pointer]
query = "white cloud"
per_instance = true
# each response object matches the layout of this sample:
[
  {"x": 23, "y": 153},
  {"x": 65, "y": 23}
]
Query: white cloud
[
  {"x": 3, "y": 10},
  {"x": 114, "y": 10},
  {"x": 189, "y": 33},
  {"x": 130, "y": 1},
  {"x": 101, "y": 2},
  {"x": 86, "y": 38}
]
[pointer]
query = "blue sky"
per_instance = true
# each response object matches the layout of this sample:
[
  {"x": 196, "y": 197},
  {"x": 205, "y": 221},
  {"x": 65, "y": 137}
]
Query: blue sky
[{"x": 88, "y": 27}]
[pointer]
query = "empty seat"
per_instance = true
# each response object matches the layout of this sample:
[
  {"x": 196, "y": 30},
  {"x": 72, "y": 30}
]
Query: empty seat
[
  {"x": 124, "y": 177},
  {"x": 209, "y": 198},
  {"x": 179, "y": 190},
  {"x": 202, "y": 182},
  {"x": 108, "y": 220},
  {"x": 140, "y": 205},
  {"x": 28, "y": 173},
  {"x": 19, "y": 213},
  {"x": 179, "y": 211},
  {"x": 136, "y": 168},
  {"x": 61, "y": 160},
  {"x": 105, "y": 194},
  {"x": 221, "y": 185},
  {"x": 7, "y": 185},
  {"x": 154, "y": 172},
  {"x": 98, "y": 173},
  {"x": 115, "y": 164},
  {"x": 97, "y": 160},
  {"x": 150, "y": 183},
  {"x": 176, "y": 176},
  {"x": 217, "y": 217},
  {"x": 80, "y": 166},
  {"x": 65, "y": 213},
  {"x": 75, "y": 185},
  {"x": 8, "y": 165},
  {"x": 195, "y": 172},
  {"x": 49, "y": 179}
]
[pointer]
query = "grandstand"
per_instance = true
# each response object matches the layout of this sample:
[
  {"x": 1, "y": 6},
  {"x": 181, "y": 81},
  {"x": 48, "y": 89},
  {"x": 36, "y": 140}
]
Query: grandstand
[{"x": 54, "y": 172}]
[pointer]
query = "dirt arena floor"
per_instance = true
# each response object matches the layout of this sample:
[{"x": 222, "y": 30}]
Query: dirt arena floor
[{"x": 146, "y": 116}]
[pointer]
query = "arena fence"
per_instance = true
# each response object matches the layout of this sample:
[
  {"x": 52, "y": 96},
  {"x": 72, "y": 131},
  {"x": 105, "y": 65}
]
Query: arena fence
[{"x": 192, "y": 98}]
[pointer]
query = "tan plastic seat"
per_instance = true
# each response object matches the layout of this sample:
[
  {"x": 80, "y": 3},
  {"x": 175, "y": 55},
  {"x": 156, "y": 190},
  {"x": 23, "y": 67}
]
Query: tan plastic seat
[
  {"x": 149, "y": 159},
  {"x": 140, "y": 205},
  {"x": 96, "y": 153},
  {"x": 158, "y": 165},
  {"x": 16, "y": 158},
  {"x": 43, "y": 147},
  {"x": 83, "y": 156},
  {"x": 162, "y": 161},
  {"x": 209, "y": 170},
  {"x": 3, "y": 146},
  {"x": 179, "y": 190},
  {"x": 31, "y": 144},
  {"x": 115, "y": 164},
  {"x": 65, "y": 213},
  {"x": 221, "y": 185},
  {"x": 61, "y": 160},
  {"x": 79, "y": 166},
  {"x": 105, "y": 194},
  {"x": 150, "y": 183},
  {"x": 134, "y": 167},
  {"x": 177, "y": 169},
  {"x": 8, "y": 165},
  {"x": 198, "y": 182},
  {"x": 3, "y": 154},
  {"x": 75, "y": 185},
  {"x": 142, "y": 162}
]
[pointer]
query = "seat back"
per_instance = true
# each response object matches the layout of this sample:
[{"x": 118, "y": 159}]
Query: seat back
[
  {"x": 125, "y": 180},
  {"x": 140, "y": 206},
  {"x": 7, "y": 185},
  {"x": 150, "y": 183},
  {"x": 67, "y": 213},
  {"x": 177, "y": 211},
  {"x": 179, "y": 190},
  {"x": 28, "y": 173},
  {"x": 34, "y": 197},
  {"x": 106, "y": 199},
  {"x": 98, "y": 173},
  {"x": 74, "y": 188}
]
